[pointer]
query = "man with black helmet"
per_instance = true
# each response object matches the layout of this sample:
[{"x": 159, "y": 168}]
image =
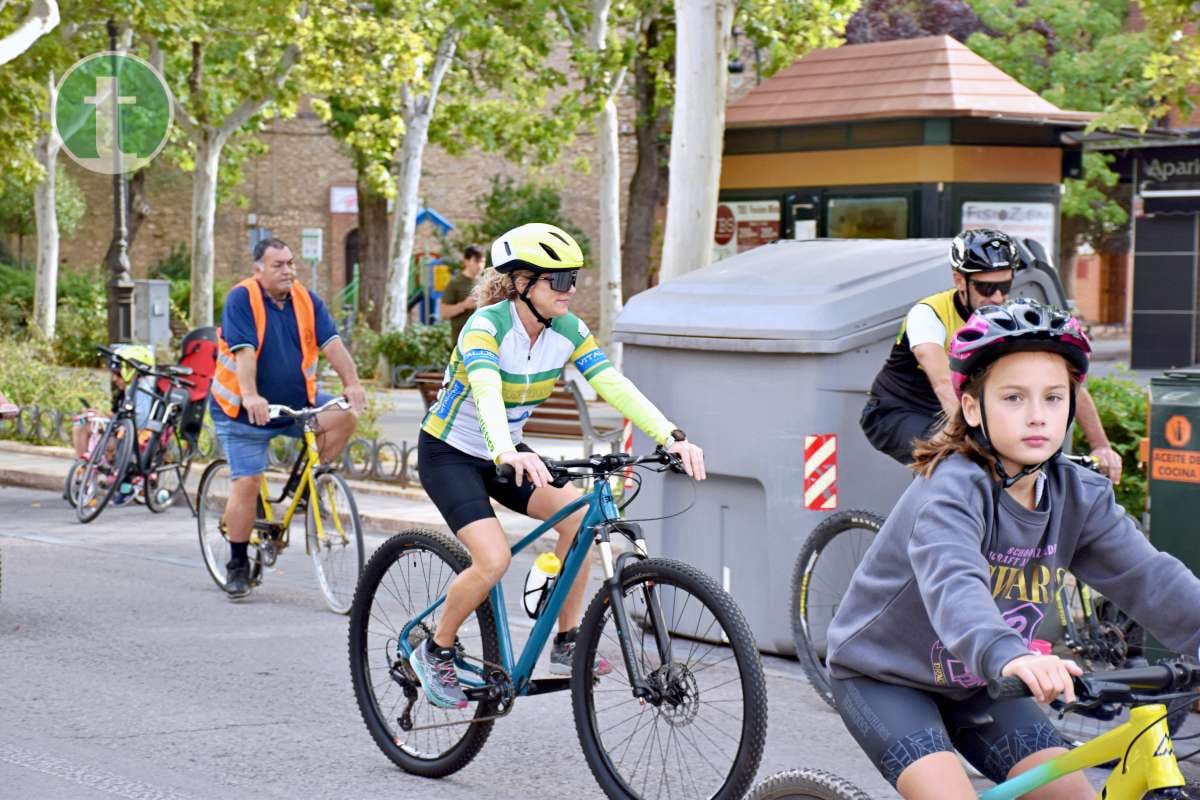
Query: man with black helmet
[{"x": 915, "y": 383}]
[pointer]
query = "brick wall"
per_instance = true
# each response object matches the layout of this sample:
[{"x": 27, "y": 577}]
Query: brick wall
[{"x": 288, "y": 188}]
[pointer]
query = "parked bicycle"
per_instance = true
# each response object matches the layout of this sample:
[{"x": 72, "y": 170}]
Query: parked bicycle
[
  {"x": 155, "y": 458},
  {"x": 1086, "y": 627},
  {"x": 96, "y": 424},
  {"x": 684, "y": 712},
  {"x": 333, "y": 532},
  {"x": 1140, "y": 749}
]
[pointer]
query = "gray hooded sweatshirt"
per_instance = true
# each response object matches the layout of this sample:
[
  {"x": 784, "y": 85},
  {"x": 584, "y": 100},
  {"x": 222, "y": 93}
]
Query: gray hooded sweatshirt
[{"x": 949, "y": 592}]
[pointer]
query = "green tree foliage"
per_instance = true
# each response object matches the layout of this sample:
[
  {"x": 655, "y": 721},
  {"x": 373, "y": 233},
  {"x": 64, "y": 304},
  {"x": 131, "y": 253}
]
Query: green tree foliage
[
  {"x": 509, "y": 204},
  {"x": 1173, "y": 68},
  {"x": 1080, "y": 55},
  {"x": 16, "y": 205}
]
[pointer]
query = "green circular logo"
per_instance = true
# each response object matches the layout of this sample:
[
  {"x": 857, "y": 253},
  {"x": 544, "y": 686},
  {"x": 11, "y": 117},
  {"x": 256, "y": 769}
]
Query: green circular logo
[{"x": 113, "y": 112}]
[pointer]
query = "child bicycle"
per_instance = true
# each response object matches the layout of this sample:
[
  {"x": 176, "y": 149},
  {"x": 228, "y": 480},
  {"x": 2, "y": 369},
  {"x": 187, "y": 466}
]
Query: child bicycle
[
  {"x": 333, "y": 532},
  {"x": 687, "y": 689},
  {"x": 1141, "y": 748}
]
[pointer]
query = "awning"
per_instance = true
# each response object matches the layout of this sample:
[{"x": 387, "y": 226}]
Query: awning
[{"x": 1171, "y": 201}]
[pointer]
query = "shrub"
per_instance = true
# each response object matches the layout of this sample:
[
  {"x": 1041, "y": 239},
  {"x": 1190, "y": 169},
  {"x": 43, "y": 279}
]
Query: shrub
[
  {"x": 417, "y": 347},
  {"x": 29, "y": 377},
  {"x": 80, "y": 327},
  {"x": 176, "y": 265},
  {"x": 364, "y": 346},
  {"x": 1123, "y": 405}
]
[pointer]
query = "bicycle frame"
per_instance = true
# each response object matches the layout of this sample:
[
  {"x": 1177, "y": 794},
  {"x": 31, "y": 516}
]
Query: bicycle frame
[
  {"x": 301, "y": 483},
  {"x": 601, "y": 512},
  {"x": 1142, "y": 747}
]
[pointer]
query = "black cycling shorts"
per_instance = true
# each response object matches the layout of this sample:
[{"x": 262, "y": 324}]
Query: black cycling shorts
[
  {"x": 891, "y": 428},
  {"x": 896, "y": 725},
  {"x": 459, "y": 484}
]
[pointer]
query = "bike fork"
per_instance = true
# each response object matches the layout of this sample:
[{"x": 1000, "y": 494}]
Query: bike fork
[{"x": 616, "y": 598}]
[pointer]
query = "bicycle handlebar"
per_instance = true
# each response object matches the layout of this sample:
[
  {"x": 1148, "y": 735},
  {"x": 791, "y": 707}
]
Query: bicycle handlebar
[
  {"x": 276, "y": 410},
  {"x": 1085, "y": 461},
  {"x": 1115, "y": 686},
  {"x": 560, "y": 470},
  {"x": 171, "y": 373}
]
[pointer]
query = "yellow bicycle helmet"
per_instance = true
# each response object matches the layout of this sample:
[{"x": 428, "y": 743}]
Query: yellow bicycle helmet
[
  {"x": 133, "y": 352},
  {"x": 540, "y": 248}
]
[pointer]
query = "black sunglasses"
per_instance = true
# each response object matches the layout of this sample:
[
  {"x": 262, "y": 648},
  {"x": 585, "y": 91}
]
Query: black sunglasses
[
  {"x": 561, "y": 280},
  {"x": 990, "y": 288}
]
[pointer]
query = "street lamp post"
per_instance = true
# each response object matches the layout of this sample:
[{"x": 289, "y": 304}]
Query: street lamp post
[{"x": 120, "y": 282}]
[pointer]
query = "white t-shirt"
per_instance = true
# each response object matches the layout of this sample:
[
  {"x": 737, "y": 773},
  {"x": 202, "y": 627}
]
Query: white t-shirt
[{"x": 923, "y": 327}]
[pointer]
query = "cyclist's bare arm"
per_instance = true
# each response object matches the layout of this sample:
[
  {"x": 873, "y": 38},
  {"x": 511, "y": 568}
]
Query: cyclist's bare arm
[
  {"x": 933, "y": 359},
  {"x": 1089, "y": 422},
  {"x": 247, "y": 375}
]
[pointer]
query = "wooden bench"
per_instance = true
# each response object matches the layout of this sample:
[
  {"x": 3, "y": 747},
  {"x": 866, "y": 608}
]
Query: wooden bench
[{"x": 564, "y": 415}]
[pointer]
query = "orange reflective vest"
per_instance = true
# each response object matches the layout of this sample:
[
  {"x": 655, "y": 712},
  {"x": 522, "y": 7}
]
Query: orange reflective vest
[{"x": 225, "y": 386}]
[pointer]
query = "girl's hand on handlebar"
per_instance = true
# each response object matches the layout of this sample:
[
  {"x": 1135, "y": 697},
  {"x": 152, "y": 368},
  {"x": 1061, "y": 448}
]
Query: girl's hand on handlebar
[
  {"x": 691, "y": 457},
  {"x": 1046, "y": 676},
  {"x": 527, "y": 464}
]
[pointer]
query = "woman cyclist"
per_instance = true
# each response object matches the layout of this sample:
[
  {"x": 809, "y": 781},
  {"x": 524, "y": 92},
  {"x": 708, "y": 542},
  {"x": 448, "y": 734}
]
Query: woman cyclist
[
  {"x": 505, "y": 363},
  {"x": 953, "y": 588}
]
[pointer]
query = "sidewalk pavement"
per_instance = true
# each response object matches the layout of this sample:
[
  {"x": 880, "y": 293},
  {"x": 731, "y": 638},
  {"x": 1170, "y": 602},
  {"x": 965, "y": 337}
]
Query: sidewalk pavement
[{"x": 383, "y": 508}]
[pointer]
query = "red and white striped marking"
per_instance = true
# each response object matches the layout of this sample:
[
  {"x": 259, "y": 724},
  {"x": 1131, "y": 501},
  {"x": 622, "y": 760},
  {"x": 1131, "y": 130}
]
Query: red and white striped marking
[{"x": 820, "y": 472}]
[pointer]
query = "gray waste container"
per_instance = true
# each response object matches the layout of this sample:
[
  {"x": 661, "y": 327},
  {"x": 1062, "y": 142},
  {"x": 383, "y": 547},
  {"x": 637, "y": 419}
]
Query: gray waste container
[{"x": 750, "y": 356}]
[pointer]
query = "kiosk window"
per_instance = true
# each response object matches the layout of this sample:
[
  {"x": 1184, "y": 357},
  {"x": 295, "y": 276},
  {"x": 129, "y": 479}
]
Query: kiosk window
[{"x": 867, "y": 217}]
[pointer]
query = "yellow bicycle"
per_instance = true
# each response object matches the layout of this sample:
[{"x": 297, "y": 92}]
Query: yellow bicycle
[
  {"x": 1140, "y": 749},
  {"x": 333, "y": 533}
]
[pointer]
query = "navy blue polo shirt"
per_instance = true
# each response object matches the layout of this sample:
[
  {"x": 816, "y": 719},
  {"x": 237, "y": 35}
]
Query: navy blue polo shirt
[{"x": 280, "y": 377}]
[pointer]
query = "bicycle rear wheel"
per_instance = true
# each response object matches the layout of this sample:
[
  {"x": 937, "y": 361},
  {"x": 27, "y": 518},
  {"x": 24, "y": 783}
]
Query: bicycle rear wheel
[
  {"x": 823, "y": 570},
  {"x": 806, "y": 784},
  {"x": 405, "y": 576},
  {"x": 337, "y": 553},
  {"x": 104, "y": 471},
  {"x": 703, "y": 736}
]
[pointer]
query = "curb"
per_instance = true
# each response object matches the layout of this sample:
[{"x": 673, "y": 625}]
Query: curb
[
  {"x": 374, "y": 521},
  {"x": 67, "y": 454}
]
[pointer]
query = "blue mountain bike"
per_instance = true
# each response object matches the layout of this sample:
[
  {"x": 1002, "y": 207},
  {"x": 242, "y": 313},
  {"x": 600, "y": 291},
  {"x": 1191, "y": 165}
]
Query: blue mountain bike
[{"x": 683, "y": 713}]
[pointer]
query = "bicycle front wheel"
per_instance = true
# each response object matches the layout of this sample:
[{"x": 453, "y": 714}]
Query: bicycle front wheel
[
  {"x": 823, "y": 570},
  {"x": 405, "y": 576},
  {"x": 702, "y": 734},
  {"x": 806, "y": 784},
  {"x": 74, "y": 478},
  {"x": 211, "y": 497},
  {"x": 335, "y": 540},
  {"x": 105, "y": 469}
]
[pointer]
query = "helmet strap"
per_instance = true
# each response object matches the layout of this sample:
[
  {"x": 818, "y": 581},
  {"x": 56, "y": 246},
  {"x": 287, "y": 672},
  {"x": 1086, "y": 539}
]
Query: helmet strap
[
  {"x": 525, "y": 296},
  {"x": 981, "y": 435}
]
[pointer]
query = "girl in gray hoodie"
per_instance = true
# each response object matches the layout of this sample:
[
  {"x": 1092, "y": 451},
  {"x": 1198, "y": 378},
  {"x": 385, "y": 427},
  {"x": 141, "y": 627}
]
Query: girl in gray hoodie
[{"x": 953, "y": 588}]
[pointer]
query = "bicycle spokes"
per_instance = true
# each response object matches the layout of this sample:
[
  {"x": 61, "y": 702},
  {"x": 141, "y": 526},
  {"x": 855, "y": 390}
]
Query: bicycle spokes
[{"x": 683, "y": 740}]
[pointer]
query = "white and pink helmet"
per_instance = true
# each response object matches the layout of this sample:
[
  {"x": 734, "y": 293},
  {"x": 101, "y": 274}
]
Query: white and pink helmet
[{"x": 1020, "y": 325}]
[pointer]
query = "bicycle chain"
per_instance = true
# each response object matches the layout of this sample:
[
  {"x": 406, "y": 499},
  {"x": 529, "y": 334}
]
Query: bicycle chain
[{"x": 505, "y": 702}]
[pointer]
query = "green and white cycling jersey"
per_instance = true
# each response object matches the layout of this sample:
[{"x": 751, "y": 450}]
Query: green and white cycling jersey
[{"x": 496, "y": 378}]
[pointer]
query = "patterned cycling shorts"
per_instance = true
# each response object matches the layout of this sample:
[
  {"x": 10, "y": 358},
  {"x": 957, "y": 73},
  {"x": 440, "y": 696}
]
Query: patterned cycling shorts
[{"x": 896, "y": 725}]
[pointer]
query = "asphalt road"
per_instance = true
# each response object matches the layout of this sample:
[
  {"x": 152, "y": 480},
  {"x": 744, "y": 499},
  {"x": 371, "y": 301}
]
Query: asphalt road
[{"x": 128, "y": 674}]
